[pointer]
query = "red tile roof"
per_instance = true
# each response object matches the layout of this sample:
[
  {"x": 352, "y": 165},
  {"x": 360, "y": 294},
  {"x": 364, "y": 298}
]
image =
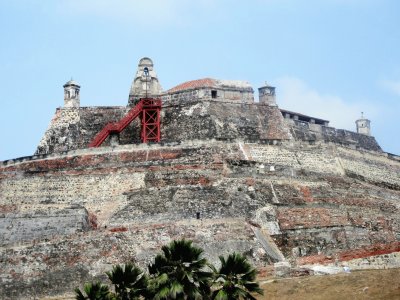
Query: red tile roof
[{"x": 205, "y": 82}]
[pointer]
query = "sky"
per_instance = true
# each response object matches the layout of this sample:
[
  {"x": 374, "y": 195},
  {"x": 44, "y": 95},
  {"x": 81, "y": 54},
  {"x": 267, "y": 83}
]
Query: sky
[{"x": 331, "y": 59}]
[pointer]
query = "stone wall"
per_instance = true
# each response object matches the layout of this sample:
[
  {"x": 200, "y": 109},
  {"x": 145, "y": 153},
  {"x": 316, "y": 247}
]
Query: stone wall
[
  {"x": 75, "y": 128},
  {"x": 116, "y": 204},
  {"x": 57, "y": 267},
  {"x": 215, "y": 120},
  {"x": 205, "y": 94},
  {"x": 312, "y": 133},
  {"x": 192, "y": 119},
  {"x": 375, "y": 169},
  {"x": 27, "y": 223},
  {"x": 312, "y": 158}
]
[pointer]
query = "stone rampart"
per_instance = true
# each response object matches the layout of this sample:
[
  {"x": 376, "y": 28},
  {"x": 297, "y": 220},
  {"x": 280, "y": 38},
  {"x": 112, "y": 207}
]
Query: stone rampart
[
  {"x": 313, "y": 133},
  {"x": 27, "y": 223},
  {"x": 192, "y": 119},
  {"x": 122, "y": 203},
  {"x": 57, "y": 267},
  {"x": 74, "y": 128},
  {"x": 375, "y": 169}
]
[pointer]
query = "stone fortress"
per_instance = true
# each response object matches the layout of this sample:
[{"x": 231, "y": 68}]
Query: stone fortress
[{"x": 230, "y": 173}]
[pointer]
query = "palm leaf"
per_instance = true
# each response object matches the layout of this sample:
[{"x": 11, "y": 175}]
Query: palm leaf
[
  {"x": 180, "y": 268},
  {"x": 235, "y": 278}
]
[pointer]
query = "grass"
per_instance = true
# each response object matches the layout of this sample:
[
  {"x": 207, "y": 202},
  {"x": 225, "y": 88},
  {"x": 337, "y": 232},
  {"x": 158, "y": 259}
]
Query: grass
[{"x": 366, "y": 284}]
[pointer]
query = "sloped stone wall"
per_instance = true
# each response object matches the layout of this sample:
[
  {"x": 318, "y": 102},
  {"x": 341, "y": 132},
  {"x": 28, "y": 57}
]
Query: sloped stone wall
[
  {"x": 312, "y": 133},
  {"x": 39, "y": 222},
  {"x": 75, "y": 128},
  {"x": 376, "y": 169},
  {"x": 134, "y": 198}
]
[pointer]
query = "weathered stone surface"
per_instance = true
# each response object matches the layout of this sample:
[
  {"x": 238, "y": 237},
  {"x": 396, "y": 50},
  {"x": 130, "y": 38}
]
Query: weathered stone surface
[
  {"x": 312, "y": 133},
  {"x": 74, "y": 128},
  {"x": 229, "y": 174},
  {"x": 319, "y": 204},
  {"x": 30, "y": 223}
]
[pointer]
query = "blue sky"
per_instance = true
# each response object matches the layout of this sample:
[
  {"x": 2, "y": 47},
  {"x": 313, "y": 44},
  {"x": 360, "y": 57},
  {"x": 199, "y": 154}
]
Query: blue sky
[{"x": 330, "y": 59}]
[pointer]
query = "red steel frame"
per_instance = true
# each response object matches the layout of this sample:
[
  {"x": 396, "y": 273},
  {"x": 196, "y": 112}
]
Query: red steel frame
[
  {"x": 149, "y": 111},
  {"x": 150, "y": 122}
]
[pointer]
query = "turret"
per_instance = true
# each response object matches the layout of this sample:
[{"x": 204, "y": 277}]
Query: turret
[
  {"x": 145, "y": 83},
  {"x": 266, "y": 95},
  {"x": 71, "y": 94},
  {"x": 363, "y": 125}
]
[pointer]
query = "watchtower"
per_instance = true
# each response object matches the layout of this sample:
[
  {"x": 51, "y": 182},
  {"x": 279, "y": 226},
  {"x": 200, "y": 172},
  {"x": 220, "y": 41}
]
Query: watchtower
[
  {"x": 71, "y": 94},
  {"x": 363, "y": 125},
  {"x": 266, "y": 95},
  {"x": 145, "y": 84}
]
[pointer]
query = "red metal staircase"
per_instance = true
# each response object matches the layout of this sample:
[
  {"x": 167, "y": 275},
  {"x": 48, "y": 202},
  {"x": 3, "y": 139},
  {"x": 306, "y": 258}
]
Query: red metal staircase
[{"x": 149, "y": 111}]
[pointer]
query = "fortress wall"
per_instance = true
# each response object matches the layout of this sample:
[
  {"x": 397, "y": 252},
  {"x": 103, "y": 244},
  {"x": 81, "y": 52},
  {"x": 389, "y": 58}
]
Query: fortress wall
[
  {"x": 61, "y": 132},
  {"x": 75, "y": 128},
  {"x": 273, "y": 155},
  {"x": 55, "y": 268},
  {"x": 311, "y": 217},
  {"x": 38, "y": 222},
  {"x": 322, "y": 229},
  {"x": 225, "y": 199},
  {"x": 101, "y": 182},
  {"x": 336, "y": 217},
  {"x": 376, "y": 256},
  {"x": 382, "y": 257},
  {"x": 350, "y": 138},
  {"x": 94, "y": 179},
  {"x": 147, "y": 195},
  {"x": 304, "y": 131},
  {"x": 373, "y": 168},
  {"x": 97, "y": 192},
  {"x": 311, "y": 158},
  {"x": 334, "y": 214},
  {"x": 223, "y": 121},
  {"x": 58, "y": 179}
]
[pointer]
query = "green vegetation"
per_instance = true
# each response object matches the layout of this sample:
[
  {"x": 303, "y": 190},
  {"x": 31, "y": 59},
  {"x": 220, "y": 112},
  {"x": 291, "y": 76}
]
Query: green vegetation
[
  {"x": 235, "y": 279},
  {"x": 179, "y": 272}
]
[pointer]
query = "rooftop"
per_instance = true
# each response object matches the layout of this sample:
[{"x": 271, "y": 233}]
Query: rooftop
[
  {"x": 193, "y": 84},
  {"x": 210, "y": 83},
  {"x": 71, "y": 82},
  {"x": 303, "y": 117}
]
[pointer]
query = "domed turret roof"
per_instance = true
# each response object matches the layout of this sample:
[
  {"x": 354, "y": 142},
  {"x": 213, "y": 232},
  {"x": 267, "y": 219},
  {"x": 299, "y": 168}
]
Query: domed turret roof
[{"x": 71, "y": 82}]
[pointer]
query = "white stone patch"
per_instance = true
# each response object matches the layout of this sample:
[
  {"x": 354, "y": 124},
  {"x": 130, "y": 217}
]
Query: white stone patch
[
  {"x": 61, "y": 120},
  {"x": 70, "y": 189},
  {"x": 243, "y": 151},
  {"x": 188, "y": 111},
  {"x": 234, "y": 83},
  {"x": 272, "y": 155},
  {"x": 326, "y": 270},
  {"x": 266, "y": 217}
]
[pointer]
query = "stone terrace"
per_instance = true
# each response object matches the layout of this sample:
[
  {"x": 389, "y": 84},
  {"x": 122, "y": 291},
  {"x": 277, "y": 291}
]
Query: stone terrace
[{"x": 127, "y": 201}]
